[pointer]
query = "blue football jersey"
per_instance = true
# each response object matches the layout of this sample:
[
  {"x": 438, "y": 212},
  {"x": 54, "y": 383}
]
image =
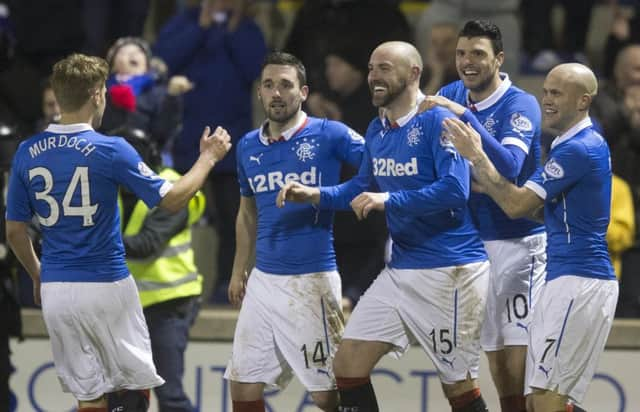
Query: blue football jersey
[
  {"x": 298, "y": 238},
  {"x": 575, "y": 184},
  {"x": 512, "y": 117},
  {"x": 428, "y": 185},
  {"x": 68, "y": 177}
]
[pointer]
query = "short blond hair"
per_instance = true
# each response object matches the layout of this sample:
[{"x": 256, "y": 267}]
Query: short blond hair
[{"x": 75, "y": 78}]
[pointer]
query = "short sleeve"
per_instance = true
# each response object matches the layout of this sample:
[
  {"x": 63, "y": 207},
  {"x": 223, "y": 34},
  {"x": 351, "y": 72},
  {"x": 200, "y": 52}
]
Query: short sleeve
[
  {"x": 243, "y": 181},
  {"x": 565, "y": 166},
  {"x": 18, "y": 206},
  {"x": 349, "y": 144},
  {"x": 131, "y": 172}
]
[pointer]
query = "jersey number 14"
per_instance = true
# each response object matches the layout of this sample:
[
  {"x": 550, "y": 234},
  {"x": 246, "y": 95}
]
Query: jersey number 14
[{"x": 86, "y": 209}]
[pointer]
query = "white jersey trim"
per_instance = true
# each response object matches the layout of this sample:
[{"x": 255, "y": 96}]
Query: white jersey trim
[
  {"x": 536, "y": 188},
  {"x": 493, "y": 97},
  {"x": 68, "y": 128},
  {"x": 287, "y": 134},
  {"x": 574, "y": 130},
  {"x": 514, "y": 141},
  {"x": 165, "y": 188}
]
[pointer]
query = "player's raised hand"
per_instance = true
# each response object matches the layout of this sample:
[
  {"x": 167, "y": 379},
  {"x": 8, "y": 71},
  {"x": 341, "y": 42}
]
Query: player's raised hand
[
  {"x": 464, "y": 137},
  {"x": 237, "y": 288},
  {"x": 432, "y": 101},
  {"x": 216, "y": 144},
  {"x": 298, "y": 193},
  {"x": 366, "y": 202}
]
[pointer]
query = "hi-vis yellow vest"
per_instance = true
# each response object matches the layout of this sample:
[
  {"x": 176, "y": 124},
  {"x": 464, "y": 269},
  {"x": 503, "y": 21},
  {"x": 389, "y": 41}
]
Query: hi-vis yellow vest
[{"x": 173, "y": 274}]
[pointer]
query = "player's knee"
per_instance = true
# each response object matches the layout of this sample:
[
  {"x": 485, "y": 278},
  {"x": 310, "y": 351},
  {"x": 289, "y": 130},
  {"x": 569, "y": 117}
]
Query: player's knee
[
  {"x": 241, "y": 391},
  {"x": 326, "y": 400}
]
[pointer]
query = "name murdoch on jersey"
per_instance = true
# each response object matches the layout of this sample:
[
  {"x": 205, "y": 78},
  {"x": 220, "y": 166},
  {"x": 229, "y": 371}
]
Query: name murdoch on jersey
[
  {"x": 52, "y": 142},
  {"x": 389, "y": 167},
  {"x": 276, "y": 179}
]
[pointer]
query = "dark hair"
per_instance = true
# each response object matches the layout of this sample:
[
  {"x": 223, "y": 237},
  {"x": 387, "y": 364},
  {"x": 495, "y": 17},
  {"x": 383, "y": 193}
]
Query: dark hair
[
  {"x": 483, "y": 28},
  {"x": 287, "y": 59}
]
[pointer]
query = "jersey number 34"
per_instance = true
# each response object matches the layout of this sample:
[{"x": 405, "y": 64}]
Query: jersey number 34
[{"x": 80, "y": 177}]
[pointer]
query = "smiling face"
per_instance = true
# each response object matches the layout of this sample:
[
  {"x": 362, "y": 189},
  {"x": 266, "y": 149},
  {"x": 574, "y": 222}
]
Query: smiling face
[
  {"x": 561, "y": 101},
  {"x": 281, "y": 93},
  {"x": 388, "y": 76},
  {"x": 478, "y": 66},
  {"x": 130, "y": 60}
]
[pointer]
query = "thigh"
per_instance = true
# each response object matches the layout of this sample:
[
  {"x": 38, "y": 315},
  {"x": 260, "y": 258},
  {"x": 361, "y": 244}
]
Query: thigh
[
  {"x": 571, "y": 323},
  {"x": 99, "y": 337},
  {"x": 376, "y": 317},
  {"x": 308, "y": 327},
  {"x": 443, "y": 308},
  {"x": 518, "y": 267},
  {"x": 255, "y": 357}
]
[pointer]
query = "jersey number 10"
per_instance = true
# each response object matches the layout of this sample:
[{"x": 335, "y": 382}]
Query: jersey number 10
[{"x": 86, "y": 209}]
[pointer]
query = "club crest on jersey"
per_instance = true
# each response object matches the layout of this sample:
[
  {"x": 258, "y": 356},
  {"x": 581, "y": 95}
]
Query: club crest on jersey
[
  {"x": 490, "y": 125},
  {"x": 553, "y": 170},
  {"x": 305, "y": 149},
  {"x": 355, "y": 136},
  {"x": 521, "y": 123},
  {"x": 145, "y": 170},
  {"x": 413, "y": 135}
]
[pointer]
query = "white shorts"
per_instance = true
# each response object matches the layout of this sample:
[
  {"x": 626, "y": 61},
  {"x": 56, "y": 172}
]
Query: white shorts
[
  {"x": 441, "y": 308},
  {"x": 518, "y": 267},
  {"x": 568, "y": 332},
  {"x": 99, "y": 337},
  {"x": 288, "y": 324}
]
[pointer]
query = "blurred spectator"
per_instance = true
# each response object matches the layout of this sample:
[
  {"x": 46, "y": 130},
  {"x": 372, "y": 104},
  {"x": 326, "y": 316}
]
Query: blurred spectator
[
  {"x": 220, "y": 49},
  {"x": 440, "y": 61},
  {"x": 359, "y": 245},
  {"x": 608, "y": 106},
  {"x": 622, "y": 227},
  {"x": 137, "y": 95},
  {"x": 503, "y": 13},
  {"x": 625, "y": 29},
  {"x": 159, "y": 256},
  {"x": 321, "y": 24},
  {"x": 625, "y": 159},
  {"x": 50, "y": 107},
  {"x": 11, "y": 325},
  {"x": 537, "y": 33},
  {"x": 104, "y": 21}
]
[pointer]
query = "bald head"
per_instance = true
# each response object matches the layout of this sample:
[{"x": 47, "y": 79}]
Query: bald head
[
  {"x": 577, "y": 75},
  {"x": 568, "y": 92},
  {"x": 400, "y": 51}
]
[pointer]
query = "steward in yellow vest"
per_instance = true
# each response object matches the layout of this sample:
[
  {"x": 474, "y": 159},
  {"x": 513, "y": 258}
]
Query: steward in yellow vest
[
  {"x": 159, "y": 252},
  {"x": 160, "y": 258}
]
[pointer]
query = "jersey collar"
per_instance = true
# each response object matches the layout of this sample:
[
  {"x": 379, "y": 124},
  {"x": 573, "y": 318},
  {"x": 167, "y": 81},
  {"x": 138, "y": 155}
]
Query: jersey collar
[
  {"x": 69, "y": 128},
  {"x": 287, "y": 134},
  {"x": 493, "y": 97},
  {"x": 574, "y": 130},
  {"x": 400, "y": 122}
]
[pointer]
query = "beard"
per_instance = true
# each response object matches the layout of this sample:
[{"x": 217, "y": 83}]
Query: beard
[
  {"x": 391, "y": 95},
  {"x": 281, "y": 115}
]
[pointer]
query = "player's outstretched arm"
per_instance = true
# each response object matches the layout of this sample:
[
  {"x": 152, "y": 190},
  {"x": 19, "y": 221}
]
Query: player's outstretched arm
[
  {"x": 246, "y": 225},
  {"x": 21, "y": 245},
  {"x": 515, "y": 201},
  {"x": 298, "y": 193},
  {"x": 213, "y": 147}
]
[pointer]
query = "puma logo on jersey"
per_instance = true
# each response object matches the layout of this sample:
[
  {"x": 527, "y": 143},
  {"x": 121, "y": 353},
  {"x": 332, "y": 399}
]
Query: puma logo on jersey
[
  {"x": 389, "y": 167},
  {"x": 545, "y": 371},
  {"x": 256, "y": 158},
  {"x": 276, "y": 179}
]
